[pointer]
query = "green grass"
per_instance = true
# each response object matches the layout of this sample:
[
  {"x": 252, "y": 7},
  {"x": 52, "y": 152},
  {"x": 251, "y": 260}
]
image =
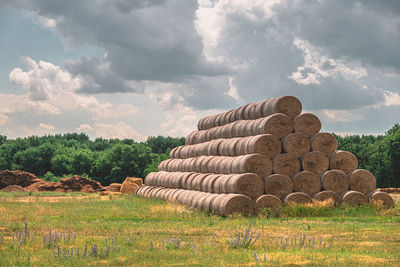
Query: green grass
[{"x": 152, "y": 232}]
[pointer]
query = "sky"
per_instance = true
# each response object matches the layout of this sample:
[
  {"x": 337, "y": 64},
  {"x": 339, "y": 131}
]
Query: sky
[{"x": 133, "y": 69}]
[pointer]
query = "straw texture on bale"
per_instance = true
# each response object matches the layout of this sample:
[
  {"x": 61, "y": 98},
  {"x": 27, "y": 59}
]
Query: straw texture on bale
[
  {"x": 278, "y": 185},
  {"x": 315, "y": 161},
  {"x": 306, "y": 182},
  {"x": 335, "y": 180},
  {"x": 277, "y": 124},
  {"x": 229, "y": 204},
  {"x": 286, "y": 164},
  {"x": 248, "y": 184},
  {"x": 297, "y": 198},
  {"x": 307, "y": 124},
  {"x": 265, "y": 202},
  {"x": 296, "y": 143},
  {"x": 288, "y": 105},
  {"x": 324, "y": 142},
  {"x": 353, "y": 198},
  {"x": 381, "y": 198},
  {"x": 363, "y": 181},
  {"x": 343, "y": 160},
  {"x": 327, "y": 195}
]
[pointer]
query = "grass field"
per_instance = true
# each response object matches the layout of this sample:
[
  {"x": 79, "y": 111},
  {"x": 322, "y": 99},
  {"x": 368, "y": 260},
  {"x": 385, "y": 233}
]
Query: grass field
[{"x": 53, "y": 229}]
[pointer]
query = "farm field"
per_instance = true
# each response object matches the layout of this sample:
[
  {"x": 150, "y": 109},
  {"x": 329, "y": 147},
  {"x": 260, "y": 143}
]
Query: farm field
[{"x": 51, "y": 229}]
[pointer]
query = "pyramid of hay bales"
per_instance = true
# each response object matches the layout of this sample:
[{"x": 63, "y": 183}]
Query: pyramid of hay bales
[{"x": 261, "y": 155}]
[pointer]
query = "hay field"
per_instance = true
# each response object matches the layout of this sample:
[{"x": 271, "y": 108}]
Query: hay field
[{"x": 56, "y": 229}]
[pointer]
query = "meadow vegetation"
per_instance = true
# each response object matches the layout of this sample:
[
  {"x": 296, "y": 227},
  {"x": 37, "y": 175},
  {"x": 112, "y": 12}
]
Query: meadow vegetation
[{"x": 68, "y": 229}]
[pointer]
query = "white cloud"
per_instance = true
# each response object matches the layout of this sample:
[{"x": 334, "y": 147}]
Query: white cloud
[
  {"x": 119, "y": 130},
  {"x": 318, "y": 66},
  {"x": 391, "y": 99},
  {"x": 340, "y": 116}
]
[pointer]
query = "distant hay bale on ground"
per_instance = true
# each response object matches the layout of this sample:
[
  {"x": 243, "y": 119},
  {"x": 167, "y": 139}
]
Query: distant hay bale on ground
[
  {"x": 327, "y": 195},
  {"x": 265, "y": 202},
  {"x": 380, "y": 198},
  {"x": 353, "y": 198}
]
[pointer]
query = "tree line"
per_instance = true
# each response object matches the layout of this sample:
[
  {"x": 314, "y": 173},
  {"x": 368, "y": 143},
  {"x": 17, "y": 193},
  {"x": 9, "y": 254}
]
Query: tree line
[{"x": 112, "y": 160}]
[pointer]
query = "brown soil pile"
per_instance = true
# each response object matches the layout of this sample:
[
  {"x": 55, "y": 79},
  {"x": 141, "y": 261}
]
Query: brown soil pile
[
  {"x": 71, "y": 184},
  {"x": 17, "y": 180},
  {"x": 13, "y": 188},
  {"x": 20, "y": 178}
]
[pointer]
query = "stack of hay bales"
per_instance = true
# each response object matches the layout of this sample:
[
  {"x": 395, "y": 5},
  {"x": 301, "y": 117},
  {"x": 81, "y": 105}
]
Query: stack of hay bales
[{"x": 261, "y": 155}]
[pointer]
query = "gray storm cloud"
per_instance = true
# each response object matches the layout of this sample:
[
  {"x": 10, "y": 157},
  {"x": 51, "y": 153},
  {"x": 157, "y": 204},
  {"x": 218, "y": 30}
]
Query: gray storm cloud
[{"x": 321, "y": 51}]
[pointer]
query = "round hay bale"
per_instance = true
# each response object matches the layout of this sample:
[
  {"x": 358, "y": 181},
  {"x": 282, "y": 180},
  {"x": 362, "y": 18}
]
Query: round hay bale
[
  {"x": 188, "y": 197},
  {"x": 208, "y": 184},
  {"x": 185, "y": 179},
  {"x": 343, "y": 160},
  {"x": 380, "y": 198},
  {"x": 288, "y": 105},
  {"x": 306, "y": 182},
  {"x": 246, "y": 112},
  {"x": 265, "y": 202},
  {"x": 240, "y": 129},
  {"x": 286, "y": 164},
  {"x": 277, "y": 124},
  {"x": 232, "y": 147},
  {"x": 198, "y": 162},
  {"x": 265, "y": 144},
  {"x": 296, "y": 143},
  {"x": 297, "y": 198},
  {"x": 223, "y": 148},
  {"x": 171, "y": 192},
  {"x": 205, "y": 163},
  {"x": 149, "y": 178},
  {"x": 254, "y": 163},
  {"x": 362, "y": 181},
  {"x": 307, "y": 124},
  {"x": 335, "y": 180},
  {"x": 353, "y": 198},
  {"x": 139, "y": 191},
  {"x": 248, "y": 184},
  {"x": 154, "y": 192},
  {"x": 142, "y": 191},
  {"x": 200, "y": 124},
  {"x": 175, "y": 195},
  {"x": 234, "y": 128},
  {"x": 278, "y": 185},
  {"x": 189, "y": 139},
  {"x": 239, "y": 114},
  {"x": 190, "y": 179},
  {"x": 199, "y": 202},
  {"x": 172, "y": 153},
  {"x": 214, "y": 147},
  {"x": 220, "y": 185},
  {"x": 328, "y": 196},
  {"x": 229, "y": 204},
  {"x": 161, "y": 166},
  {"x": 324, "y": 142},
  {"x": 182, "y": 195},
  {"x": 206, "y": 204},
  {"x": 255, "y": 110},
  {"x": 226, "y": 131},
  {"x": 315, "y": 161},
  {"x": 197, "y": 182}
]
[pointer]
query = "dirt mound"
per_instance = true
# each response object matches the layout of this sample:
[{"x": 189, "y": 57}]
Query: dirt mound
[
  {"x": 14, "y": 188},
  {"x": 78, "y": 183},
  {"x": 20, "y": 178},
  {"x": 71, "y": 184}
]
